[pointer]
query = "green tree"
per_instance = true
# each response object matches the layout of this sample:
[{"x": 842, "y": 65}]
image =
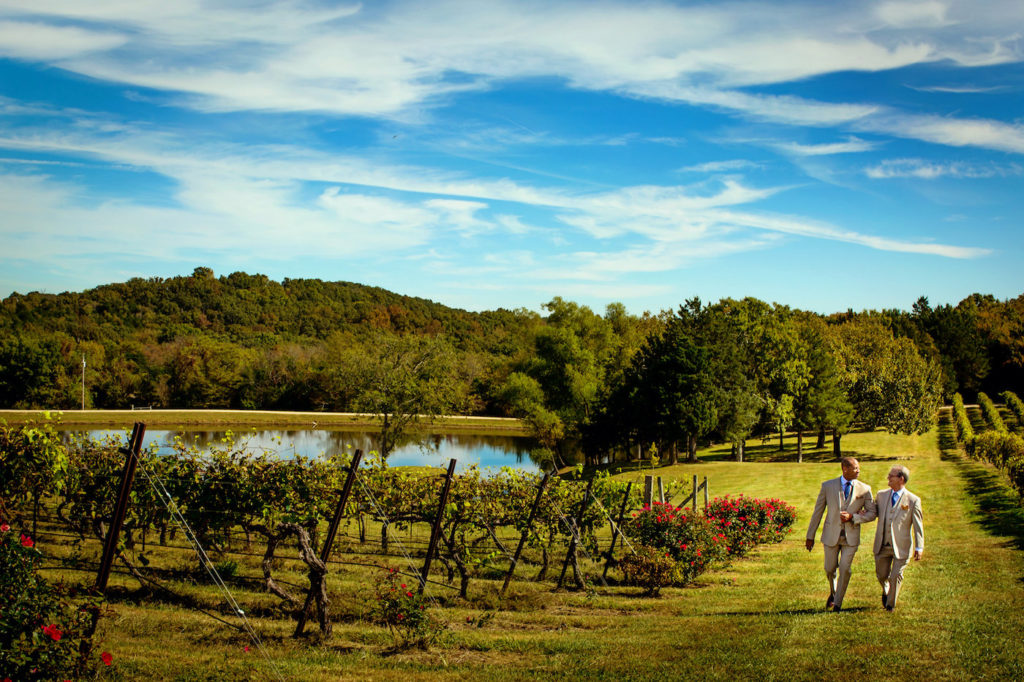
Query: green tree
[
  {"x": 821, "y": 402},
  {"x": 407, "y": 382},
  {"x": 887, "y": 381},
  {"x": 568, "y": 362},
  {"x": 30, "y": 373},
  {"x": 671, "y": 386},
  {"x": 206, "y": 373},
  {"x": 738, "y": 404}
]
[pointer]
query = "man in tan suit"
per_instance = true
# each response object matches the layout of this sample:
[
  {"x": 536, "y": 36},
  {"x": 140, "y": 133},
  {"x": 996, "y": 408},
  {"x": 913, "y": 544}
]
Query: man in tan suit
[
  {"x": 899, "y": 513},
  {"x": 849, "y": 504}
]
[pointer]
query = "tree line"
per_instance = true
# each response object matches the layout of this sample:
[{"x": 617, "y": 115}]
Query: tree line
[{"x": 669, "y": 380}]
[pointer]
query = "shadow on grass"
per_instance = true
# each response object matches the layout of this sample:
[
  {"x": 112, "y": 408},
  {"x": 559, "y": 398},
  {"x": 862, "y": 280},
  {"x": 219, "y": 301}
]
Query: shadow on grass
[
  {"x": 767, "y": 452},
  {"x": 796, "y": 612},
  {"x": 771, "y": 453},
  {"x": 999, "y": 506}
]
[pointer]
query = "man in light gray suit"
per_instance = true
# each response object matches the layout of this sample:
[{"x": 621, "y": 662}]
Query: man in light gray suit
[
  {"x": 846, "y": 504},
  {"x": 899, "y": 513}
]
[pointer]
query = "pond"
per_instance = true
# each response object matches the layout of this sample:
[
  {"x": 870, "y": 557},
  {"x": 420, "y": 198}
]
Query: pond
[{"x": 467, "y": 449}]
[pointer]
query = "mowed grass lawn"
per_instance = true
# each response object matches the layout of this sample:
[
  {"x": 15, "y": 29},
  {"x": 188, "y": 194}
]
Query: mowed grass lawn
[{"x": 960, "y": 616}]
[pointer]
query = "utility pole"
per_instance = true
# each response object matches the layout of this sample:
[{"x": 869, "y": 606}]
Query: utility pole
[{"x": 83, "y": 382}]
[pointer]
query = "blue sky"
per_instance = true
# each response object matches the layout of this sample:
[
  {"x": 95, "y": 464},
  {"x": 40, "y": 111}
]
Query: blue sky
[{"x": 496, "y": 154}]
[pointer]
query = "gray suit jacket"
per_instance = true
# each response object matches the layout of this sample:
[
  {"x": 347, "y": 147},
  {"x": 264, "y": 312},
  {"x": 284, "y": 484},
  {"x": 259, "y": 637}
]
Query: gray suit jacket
[
  {"x": 898, "y": 522},
  {"x": 830, "y": 502}
]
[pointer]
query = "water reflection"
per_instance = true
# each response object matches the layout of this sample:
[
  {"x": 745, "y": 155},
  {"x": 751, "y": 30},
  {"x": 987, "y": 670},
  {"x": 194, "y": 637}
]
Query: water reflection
[{"x": 436, "y": 450}]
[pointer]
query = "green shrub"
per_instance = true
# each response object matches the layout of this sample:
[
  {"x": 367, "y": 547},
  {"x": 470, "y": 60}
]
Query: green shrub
[
  {"x": 403, "y": 611},
  {"x": 226, "y": 569},
  {"x": 1015, "y": 404},
  {"x": 687, "y": 536},
  {"x": 964, "y": 430},
  {"x": 748, "y": 521},
  {"x": 41, "y": 630},
  {"x": 998, "y": 448},
  {"x": 991, "y": 413},
  {"x": 649, "y": 567},
  {"x": 1015, "y": 471}
]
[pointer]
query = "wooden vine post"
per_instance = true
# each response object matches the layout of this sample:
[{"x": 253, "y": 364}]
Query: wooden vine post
[
  {"x": 526, "y": 531},
  {"x": 615, "y": 530},
  {"x": 318, "y": 588},
  {"x": 575, "y": 531},
  {"x": 131, "y": 454},
  {"x": 435, "y": 531}
]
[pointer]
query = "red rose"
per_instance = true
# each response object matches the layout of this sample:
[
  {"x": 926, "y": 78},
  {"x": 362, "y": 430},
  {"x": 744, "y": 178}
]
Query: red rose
[
  {"x": 26, "y": 541},
  {"x": 107, "y": 658},
  {"x": 4, "y": 528},
  {"x": 53, "y": 632}
]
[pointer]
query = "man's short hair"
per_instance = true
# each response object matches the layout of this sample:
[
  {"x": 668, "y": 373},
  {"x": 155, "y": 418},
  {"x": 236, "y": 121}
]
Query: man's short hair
[
  {"x": 903, "y": 471},
  {"x": 847, "y": 461}
]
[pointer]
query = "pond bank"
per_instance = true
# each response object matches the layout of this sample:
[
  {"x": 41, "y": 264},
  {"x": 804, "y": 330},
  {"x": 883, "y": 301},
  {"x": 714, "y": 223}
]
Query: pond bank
[{"x": 248, "y": 418}]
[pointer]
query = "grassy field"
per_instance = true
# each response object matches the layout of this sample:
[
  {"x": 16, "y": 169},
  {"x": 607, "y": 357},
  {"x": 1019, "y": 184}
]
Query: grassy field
[
  {"x": 960, "y": 614},
  {"x": 245, "y": 419}
]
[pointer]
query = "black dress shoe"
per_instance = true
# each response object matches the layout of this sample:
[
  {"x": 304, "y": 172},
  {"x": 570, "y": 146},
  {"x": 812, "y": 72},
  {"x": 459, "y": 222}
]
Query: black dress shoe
[
  {"x": 836, "y": 609},
  {"x": 885, "y": 599},
  {"x": 888, "y": 608},
  {"x": 830, "y": 602}
]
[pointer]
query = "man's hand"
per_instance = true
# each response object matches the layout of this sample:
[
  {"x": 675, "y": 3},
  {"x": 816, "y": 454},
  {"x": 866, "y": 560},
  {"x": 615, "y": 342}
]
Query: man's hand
[
  {"x": 810, "y": 544},
  {"x": 845, "y": 516},
  {"x": 917, "y": 554}
]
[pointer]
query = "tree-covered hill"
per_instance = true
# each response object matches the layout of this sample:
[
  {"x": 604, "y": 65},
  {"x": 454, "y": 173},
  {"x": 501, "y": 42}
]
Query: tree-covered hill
[
  {"x": 718, "y": 371},
  {"x": 251, "y": 310}
]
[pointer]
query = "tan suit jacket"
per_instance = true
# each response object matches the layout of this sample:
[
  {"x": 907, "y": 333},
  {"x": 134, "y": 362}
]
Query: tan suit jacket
[
  {"x": 831, "y": 501},
  {"x": 898, "y": 522}
]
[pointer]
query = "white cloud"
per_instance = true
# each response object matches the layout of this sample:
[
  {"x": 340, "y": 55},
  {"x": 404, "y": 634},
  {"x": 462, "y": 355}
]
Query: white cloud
[
  {"x": 398, "y": 59},
  {"x": 253, "y": 191},
  {"x": 461, "y": 215},
  {"x": 912, "y": 14},
  {"x": 774, "y": 108},
  {"x": 44, "y": 42},
  {"x": 928, "y": 170},
  {"x": 513, "y": 224},
  {"x": 852, "y": 145},
  {"x": 789, "y": 225},
  {"x": 958, "y": 89},
  {"x": 388, "y": 59},
  {"x": 720, "y": 166},
  {"x": 647, "y": 259},
  {"x": 952, "y": 132}
]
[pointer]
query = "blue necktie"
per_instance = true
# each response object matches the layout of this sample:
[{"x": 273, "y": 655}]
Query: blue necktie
[
  {"x": 846, "y": 490},
  {"x": 894, "y": 498}
]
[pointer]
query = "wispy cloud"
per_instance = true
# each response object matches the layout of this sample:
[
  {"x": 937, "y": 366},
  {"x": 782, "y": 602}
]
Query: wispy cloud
[
  {"x": 400, "y": 59},
  {"x": 648, "y": 259},
  {"x": 46, "y": 42},
  {"x": 929, "y": 170},
  {"x": 226, "y": 194},
  {"x": 952, "y": 132},
  {"x": 959, "y": 89},
  {"x": 788, "y": 225},
  {"x": 913, "y": 14},
  {"x": 375, "y": 155},
  {"x": 850, "y": 146},
  {"x": 729, "y": 166}
]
